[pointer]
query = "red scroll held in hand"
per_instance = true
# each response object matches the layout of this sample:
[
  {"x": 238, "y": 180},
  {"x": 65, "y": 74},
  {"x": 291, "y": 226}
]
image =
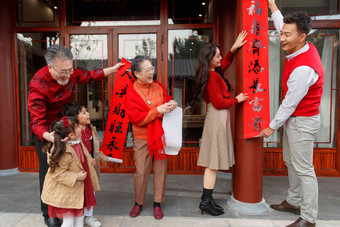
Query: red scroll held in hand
[{"x": 118, "y": 121}]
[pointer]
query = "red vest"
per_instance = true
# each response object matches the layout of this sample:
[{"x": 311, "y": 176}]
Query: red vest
[{"x": 309, "y": 105}]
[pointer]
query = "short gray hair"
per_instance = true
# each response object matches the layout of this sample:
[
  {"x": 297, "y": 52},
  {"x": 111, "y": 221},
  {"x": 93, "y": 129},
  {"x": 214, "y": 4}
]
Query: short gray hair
[
  {"x": 57, "y": 51},
  {"x": 135, "y": 64}
]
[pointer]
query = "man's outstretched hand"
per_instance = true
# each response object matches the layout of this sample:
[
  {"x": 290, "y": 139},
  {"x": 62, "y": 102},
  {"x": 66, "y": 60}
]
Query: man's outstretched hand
[{"x": 267, "y": 132}]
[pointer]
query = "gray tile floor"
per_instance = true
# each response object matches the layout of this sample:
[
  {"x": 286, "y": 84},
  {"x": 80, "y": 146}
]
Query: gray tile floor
[{"x": 19, "y": 202}]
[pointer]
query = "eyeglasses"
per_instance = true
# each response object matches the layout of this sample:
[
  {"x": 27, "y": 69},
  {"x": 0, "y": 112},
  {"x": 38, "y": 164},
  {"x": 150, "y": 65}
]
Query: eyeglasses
[
  {"x": 64, "y": 72},
  {"x": 149, "y": 70}
]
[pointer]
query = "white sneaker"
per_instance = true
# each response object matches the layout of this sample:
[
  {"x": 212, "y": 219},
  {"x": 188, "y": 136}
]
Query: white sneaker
[{"x": 92, "y": 221}]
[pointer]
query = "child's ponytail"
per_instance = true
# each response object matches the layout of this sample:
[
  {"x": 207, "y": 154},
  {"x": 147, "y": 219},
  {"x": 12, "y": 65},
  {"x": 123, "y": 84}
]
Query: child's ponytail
[{"x": 62, "y": 128}]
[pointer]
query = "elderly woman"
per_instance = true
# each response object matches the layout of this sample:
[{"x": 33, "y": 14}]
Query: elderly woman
[{"x": 146, "y": 102}]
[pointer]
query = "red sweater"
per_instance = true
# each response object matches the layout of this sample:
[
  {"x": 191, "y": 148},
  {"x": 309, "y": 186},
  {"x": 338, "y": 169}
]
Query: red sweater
[
  {"x": 216, "y": 91},
  {"x": 46, "y": 97},
  {"x": 309, "y": 105}
]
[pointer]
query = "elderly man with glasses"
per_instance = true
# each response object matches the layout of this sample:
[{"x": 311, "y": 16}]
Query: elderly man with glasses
[{"x": 49, "y": 89}]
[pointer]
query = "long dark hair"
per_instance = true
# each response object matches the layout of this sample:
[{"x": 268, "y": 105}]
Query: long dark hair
[
  {"x": 206, "y": 54},
  {"x": 60, "y": 132}
]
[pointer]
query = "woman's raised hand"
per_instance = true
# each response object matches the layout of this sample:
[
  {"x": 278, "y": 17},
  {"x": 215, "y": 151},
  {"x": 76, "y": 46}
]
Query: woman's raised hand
[
  {"x": 242, "y": 97},
  {"x": 239, "y": 41}
]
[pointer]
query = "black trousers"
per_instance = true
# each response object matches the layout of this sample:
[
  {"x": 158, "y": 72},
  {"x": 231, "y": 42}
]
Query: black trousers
[{"x": 43, "y": 167}]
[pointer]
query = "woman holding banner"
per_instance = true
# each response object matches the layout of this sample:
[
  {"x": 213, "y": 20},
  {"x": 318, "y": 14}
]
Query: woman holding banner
[
  {"x": 216, "y": 150},
  {"x": 146, "y": 101}
]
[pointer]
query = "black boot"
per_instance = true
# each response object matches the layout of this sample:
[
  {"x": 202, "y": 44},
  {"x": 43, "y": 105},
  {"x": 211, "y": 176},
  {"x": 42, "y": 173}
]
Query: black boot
[
  {"x": 218, "y": 207},
  {"x": 54, "y": 222},
  {"x": 46, "y": 219},
  {"x": 207, "y": 203}
]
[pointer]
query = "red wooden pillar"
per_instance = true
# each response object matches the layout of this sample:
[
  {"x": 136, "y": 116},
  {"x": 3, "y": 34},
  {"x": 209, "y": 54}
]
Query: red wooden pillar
[
  {"x": 8, "y": 113},
  {"x": 248, "y": 170}
]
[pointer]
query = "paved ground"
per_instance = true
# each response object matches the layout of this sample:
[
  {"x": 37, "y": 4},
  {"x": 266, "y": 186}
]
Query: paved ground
[{"x": 19, "y": 204}]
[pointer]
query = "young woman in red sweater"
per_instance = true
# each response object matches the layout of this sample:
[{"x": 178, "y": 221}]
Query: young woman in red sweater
[{"x": 216, "y": 150}]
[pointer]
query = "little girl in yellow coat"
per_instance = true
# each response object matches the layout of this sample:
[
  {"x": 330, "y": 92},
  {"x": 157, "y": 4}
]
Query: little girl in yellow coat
[{"x": 71, "y": 177}]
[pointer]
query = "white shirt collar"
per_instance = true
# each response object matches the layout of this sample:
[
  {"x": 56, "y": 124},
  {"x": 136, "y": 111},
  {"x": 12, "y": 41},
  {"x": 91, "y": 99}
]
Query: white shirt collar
[
  {"x": 302, "y": 50},
  {"x": 73, "y": 142}
]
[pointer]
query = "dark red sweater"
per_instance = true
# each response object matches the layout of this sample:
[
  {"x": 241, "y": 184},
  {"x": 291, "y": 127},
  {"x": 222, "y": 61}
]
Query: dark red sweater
[
  {"x": 46, "y": 97},
  {"x": 309, "y": 105},
  {"x": 216, "y": 91}
]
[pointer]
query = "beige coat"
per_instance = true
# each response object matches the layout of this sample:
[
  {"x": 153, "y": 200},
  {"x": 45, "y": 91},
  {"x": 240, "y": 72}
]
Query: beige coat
[
  {"x": 61, "y": 188},
  {"x": 97, "y": 154}
]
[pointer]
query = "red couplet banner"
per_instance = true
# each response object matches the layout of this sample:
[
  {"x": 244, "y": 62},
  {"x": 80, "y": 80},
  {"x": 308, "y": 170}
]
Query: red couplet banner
[
  {"x": 255, "y": 67},
  {"x": 117, "y": 122}
]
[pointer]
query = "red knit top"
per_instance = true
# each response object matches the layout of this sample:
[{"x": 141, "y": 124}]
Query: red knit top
[{"x": 216, "y": 91}]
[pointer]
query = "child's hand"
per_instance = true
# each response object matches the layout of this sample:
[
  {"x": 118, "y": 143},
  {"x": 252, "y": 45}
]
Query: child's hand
[
  {"x": 81, "y": 175},
  {"x": 93, "y": 162}
]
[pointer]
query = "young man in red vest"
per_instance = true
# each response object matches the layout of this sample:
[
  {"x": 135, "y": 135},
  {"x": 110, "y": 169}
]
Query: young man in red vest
[{"x": 302, "y": 83}]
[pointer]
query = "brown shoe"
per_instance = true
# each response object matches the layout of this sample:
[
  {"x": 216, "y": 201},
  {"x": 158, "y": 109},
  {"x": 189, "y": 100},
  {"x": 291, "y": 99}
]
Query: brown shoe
[
  {"x": 286, "y": 207},
  {"x": 301, "y": 223}
]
